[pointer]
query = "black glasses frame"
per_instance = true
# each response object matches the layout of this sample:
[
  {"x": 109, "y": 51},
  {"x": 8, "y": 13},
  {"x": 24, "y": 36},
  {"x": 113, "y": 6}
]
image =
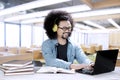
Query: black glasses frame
[{"x": 65, "y": 28}]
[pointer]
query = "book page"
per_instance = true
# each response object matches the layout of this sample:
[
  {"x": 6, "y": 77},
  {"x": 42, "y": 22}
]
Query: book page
[
  {"x": 20, "y": 73},
  {"x": 17, "y": 63},
  {"x": 61, "y": 70},
  {"x": 48, "y": 69},
  {"x": 13, "y": 68}
]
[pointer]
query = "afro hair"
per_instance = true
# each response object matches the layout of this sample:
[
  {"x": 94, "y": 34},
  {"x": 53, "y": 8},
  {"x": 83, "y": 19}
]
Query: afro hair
[{"x": 54, "y": 17}]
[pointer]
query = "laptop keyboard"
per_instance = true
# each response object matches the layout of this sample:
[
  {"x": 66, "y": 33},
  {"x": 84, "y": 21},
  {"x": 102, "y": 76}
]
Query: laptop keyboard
[{"x": 85, "y": 71}]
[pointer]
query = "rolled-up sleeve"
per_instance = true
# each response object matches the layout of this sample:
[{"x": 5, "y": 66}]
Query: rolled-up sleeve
[{"x": 81, "y": 56}]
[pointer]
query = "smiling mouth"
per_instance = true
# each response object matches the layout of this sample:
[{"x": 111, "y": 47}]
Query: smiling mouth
[{"x": 66, "y": 35}]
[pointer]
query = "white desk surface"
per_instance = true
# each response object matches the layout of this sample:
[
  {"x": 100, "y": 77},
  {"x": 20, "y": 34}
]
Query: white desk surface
[{"x": 114, "y": 75}]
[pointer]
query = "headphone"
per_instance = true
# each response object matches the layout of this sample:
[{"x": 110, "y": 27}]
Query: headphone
[{"x": 55, "y": 27}]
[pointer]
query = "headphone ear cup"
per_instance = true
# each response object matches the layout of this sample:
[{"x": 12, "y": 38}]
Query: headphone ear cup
[{"x": 55, "y": 27}]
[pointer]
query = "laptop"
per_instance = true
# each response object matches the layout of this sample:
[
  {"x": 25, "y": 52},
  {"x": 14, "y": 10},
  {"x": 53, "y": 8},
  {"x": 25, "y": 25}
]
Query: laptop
[{"x": 105, "y": 62}]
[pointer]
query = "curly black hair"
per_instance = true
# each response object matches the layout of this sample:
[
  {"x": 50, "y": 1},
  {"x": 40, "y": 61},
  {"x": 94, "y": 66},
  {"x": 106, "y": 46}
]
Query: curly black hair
[{"x": 54, "y": 17}]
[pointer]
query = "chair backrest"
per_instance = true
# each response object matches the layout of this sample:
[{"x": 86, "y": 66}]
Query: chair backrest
[
  {"x": 37, "y": 54},
  {"x": 3, "y": 49},
  {"x": 98, "y": 47},
  {"x": 13, "y": 50},
  {"x": 22, "y": 50}
]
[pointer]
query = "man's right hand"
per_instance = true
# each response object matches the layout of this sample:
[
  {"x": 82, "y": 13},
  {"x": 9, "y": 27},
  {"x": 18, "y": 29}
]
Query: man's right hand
[{"x": 78, "y": 66}]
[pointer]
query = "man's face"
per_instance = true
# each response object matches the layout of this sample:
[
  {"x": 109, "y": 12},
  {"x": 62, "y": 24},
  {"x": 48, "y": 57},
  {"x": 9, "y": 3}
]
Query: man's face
[{"x": 64, "y": 29}]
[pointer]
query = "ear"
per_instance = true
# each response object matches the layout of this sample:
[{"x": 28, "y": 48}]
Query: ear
[{"x": 55, "y": 27}]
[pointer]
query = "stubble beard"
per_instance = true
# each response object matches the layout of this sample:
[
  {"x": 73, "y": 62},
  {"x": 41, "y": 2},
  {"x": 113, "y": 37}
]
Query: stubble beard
[{"x": 66, "y": 35}]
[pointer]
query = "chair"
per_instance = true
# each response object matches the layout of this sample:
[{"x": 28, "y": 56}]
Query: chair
[
  {"x": 83, "y": 48},
  {"x": 118, "y": 62},
  {"x": 13, "y": 50},
  {"x": 37, "y": 54},
  {"x": 91, "y": 49},
  {"x": 33, "y": 46},
  {"x": 2, "y": 49},
  {"x": 98, "y": 47},
  {"x": 23, "y": 50}
]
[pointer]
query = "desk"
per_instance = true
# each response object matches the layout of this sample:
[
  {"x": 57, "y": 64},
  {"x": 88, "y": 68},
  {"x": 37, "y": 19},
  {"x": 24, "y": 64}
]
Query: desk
[
  {"x": 114, "y": 75},
  {"x": 118, "y": 62}
]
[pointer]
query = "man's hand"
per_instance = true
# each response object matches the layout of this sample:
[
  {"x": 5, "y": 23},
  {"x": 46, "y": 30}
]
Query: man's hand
[{"x": 78, "y": 66}]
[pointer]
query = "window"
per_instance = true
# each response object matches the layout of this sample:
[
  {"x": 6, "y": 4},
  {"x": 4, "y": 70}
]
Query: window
[
  {"x": 12, "y": 35},
  {"x": 2, "y": 34},
  {"x": 38, "y": 35},
  {"x": 26, "y": 31}
]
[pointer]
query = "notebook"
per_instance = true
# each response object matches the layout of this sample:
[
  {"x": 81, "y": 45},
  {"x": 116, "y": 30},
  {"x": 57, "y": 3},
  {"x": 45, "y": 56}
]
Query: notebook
[{"x": 105, "y": 62}]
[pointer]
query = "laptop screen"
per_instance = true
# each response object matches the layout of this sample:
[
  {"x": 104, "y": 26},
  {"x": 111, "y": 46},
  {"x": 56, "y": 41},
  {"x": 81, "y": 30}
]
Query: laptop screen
[{"x": 105, "y": 61}]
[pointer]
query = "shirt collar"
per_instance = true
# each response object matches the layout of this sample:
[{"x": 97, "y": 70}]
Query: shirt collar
[{"x": 56, "y": 42}]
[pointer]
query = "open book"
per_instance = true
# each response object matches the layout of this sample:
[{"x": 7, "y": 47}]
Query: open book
[{"x": 48, "y": 69}]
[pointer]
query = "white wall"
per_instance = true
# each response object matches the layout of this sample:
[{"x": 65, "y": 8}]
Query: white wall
[{"x": 88, "y": 37}]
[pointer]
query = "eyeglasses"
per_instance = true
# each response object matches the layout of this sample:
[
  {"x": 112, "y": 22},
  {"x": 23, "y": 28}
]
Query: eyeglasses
[{"x": 65, "y": 28}]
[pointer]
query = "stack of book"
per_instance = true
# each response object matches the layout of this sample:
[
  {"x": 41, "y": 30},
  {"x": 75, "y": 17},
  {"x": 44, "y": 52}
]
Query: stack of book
[{"x": 16, "y": 67}]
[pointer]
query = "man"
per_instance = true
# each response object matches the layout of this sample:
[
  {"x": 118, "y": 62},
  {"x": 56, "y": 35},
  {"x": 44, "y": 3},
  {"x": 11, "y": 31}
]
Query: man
[{"x": 58, "y": 50}]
